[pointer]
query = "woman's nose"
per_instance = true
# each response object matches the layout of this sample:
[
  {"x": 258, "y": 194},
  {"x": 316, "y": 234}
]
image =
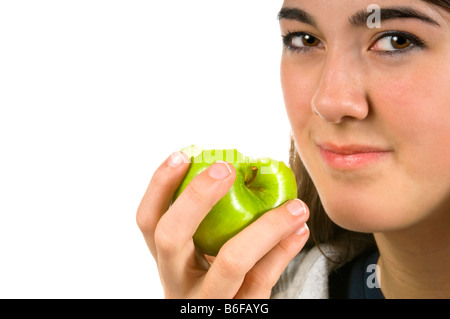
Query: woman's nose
[{"x": 340, "y": 94}]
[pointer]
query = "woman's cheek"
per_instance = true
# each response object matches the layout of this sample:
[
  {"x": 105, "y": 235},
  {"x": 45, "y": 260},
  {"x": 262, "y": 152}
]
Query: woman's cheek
[
  {"x": 416, "y": 120},
  {"x": 298, "y": 93}
]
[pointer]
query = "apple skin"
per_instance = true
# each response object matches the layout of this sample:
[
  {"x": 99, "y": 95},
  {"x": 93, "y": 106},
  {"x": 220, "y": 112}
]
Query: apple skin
[{"x": 252, "y": 194}]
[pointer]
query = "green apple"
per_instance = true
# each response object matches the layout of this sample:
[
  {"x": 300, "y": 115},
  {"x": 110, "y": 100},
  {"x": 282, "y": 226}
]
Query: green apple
[{"x": 260, "y": 185}]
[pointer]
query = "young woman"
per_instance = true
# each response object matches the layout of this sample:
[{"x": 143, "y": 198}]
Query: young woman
[{"x": 368, "y": 100}]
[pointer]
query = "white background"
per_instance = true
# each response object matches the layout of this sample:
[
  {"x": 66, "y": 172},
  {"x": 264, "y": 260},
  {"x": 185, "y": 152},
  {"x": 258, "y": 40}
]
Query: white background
[{"x": 94, "y": 95}]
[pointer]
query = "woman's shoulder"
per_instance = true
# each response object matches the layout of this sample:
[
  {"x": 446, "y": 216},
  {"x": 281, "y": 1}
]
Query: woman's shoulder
[{"x": 306, "y": 276}]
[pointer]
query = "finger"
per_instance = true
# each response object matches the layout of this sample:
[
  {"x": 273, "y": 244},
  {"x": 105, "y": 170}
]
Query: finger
[
  {"x": 260, "y": 280},
  {"x": 159, "y": 193},
  {"x": 242, "y": 252},
  {"x": 173, "y": 234}
]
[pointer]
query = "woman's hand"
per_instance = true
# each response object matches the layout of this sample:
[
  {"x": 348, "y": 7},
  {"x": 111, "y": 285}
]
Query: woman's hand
[{"x": 247, "y": 266}]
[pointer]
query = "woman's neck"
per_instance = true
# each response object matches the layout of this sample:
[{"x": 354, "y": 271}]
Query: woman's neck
[{"x": 415, "y": 262}]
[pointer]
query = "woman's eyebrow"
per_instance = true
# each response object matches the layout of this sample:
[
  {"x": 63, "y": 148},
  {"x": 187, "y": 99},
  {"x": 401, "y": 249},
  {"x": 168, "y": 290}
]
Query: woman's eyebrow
[
  {"x": 298, "y": 15},
  {"x": 360, "y": 18}
]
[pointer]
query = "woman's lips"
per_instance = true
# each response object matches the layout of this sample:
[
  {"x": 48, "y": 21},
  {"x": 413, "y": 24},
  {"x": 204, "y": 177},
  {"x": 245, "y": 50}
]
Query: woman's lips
[{"x": 351, "y": 156}]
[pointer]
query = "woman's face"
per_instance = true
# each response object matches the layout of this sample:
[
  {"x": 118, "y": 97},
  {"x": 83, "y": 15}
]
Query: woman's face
[{"x": 370, "y": 108}]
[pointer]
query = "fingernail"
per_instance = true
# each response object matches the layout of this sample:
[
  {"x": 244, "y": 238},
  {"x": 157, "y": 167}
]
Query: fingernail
[
  {"x": 219, "y": 170},
  {"x": 302, "y": 230},
  {"x": 176, "y": 159},
  {"x": 296, "y": 207}
]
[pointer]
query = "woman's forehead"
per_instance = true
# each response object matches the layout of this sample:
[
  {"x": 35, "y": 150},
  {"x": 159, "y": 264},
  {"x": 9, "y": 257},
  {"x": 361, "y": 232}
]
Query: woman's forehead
[{"x": 357, "y": 12}]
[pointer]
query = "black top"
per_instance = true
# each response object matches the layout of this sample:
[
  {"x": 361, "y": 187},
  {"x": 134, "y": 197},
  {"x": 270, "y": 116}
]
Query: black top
[{"x": 356, "y": 279}]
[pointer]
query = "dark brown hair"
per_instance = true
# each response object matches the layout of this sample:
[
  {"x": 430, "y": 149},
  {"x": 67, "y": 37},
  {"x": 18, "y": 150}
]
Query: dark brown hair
[{"x": 322, "y": 228}]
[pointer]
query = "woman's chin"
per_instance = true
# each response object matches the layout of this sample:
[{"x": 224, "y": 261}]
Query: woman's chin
[{"x": 364, "y": 216}]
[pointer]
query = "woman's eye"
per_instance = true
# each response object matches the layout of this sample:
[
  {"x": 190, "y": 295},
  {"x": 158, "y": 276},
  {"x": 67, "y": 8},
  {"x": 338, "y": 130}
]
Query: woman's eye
[
  {"x": 396, "y": 43},
  {"x": 305, "y": 40},
  {"x": 301, "y": 41},
  {"x": 392, "y": 43}
]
